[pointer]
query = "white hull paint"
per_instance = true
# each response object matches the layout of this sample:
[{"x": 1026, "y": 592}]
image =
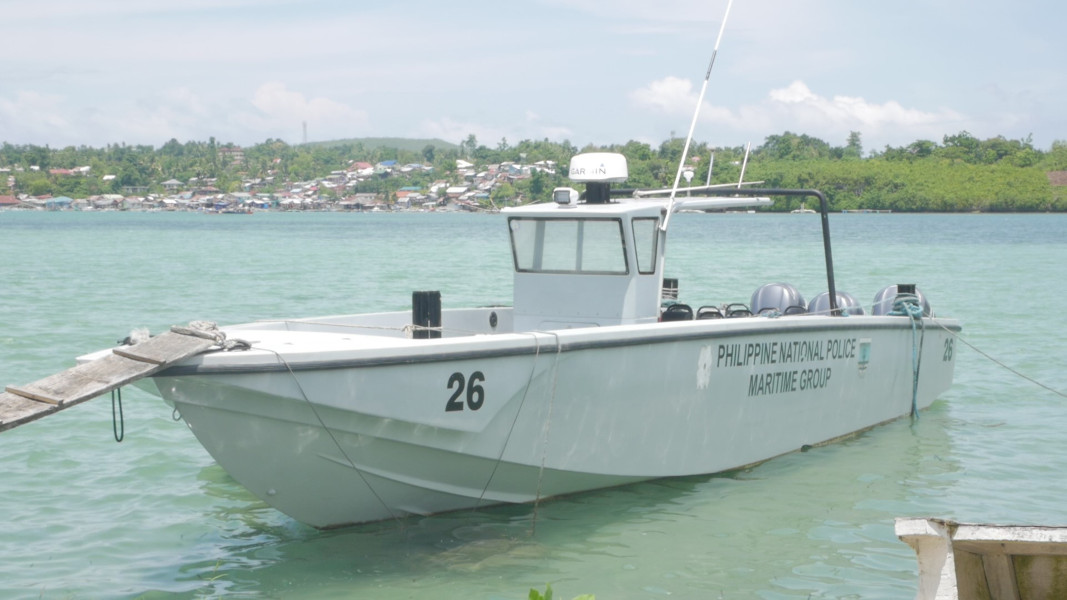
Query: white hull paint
[
  {"x": 588, "y": 380},
  {"x": 333, "y": 426}
]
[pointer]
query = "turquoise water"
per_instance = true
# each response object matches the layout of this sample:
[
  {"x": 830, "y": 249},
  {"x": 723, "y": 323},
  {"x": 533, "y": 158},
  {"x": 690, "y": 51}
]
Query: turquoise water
[{"x": 84, "y": 517}]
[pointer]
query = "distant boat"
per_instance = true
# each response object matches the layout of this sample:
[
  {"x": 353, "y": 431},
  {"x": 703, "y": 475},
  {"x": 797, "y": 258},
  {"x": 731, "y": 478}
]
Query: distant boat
[{"x": 803, "y": 210}]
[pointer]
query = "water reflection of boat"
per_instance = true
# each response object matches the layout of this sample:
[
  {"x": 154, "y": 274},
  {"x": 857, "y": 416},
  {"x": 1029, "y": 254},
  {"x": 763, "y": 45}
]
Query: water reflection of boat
[{"x": 820, "y": 521}]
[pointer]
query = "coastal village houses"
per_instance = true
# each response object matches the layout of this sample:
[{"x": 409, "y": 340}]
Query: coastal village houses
[{"x": 470, "y": 189}]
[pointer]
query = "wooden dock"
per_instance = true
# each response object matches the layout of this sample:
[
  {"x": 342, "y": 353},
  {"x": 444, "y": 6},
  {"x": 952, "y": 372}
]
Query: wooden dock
[
  {"x": 992, "y": 562},
  {"x": 22, "y": 404}
]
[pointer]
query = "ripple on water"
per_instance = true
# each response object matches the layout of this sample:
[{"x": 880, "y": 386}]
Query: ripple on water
[{"x": 154, "y": 517}]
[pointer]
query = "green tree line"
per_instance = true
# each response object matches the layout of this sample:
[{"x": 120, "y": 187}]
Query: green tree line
[{"x": 959, "y": 173}]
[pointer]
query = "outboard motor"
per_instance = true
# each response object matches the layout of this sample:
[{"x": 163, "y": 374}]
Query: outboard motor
[
  {"x": 883, "y": 301},
  {"x": 780, "y": 297},
  {"x": 846, "y": 304}
]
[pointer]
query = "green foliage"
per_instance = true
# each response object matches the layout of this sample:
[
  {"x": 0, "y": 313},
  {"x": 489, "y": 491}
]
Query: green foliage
[
  {"x": 790, "y": 146},
  {"x": 403, "y": 144},
  {"x": 503, "y": 194},
  {"x": 854, "y": 148},
  {"x": 40, "y": 187},
  {"x": 961, "y": 173},
  {"x": 1056, "y": 158},
  {"x": 536, "y": 595},
  {"x": 935, "y": 185},
  {"x": 538, "y": 187}
]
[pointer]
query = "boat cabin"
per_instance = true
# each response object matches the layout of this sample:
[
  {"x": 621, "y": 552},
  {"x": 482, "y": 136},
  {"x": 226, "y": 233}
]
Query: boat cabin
[{"x": 586, "y": 260}]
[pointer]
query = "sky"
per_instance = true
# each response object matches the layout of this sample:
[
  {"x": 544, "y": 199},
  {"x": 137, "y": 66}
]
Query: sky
[{"x": 99, "y": 72}]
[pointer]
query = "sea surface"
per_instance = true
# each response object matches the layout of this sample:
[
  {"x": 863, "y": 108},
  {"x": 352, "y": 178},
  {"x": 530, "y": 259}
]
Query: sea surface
[{"x": 82, "y": 516}]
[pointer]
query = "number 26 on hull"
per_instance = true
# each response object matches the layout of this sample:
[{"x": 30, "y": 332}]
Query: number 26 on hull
[{"x": 475, "y": 393}]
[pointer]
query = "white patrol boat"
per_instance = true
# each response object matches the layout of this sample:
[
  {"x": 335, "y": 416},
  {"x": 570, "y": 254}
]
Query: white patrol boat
[{"x": 586, "y": 382}]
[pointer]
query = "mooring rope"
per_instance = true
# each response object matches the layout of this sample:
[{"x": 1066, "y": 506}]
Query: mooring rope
[
  {"x": 322, "y": 423},
  {"x": 209, "y": 330},
  {"x": 118, "y": 425},
  {"x": 1001, "y": 364},
  {"x": 908, "y": 305},
  {"x": 548, "y": 429},
  {"x": 511, "y": 429}
]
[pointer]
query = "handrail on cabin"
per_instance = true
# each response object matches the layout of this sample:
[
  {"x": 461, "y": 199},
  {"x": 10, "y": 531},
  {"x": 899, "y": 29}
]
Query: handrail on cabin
[{"x": 823, "y": 208}]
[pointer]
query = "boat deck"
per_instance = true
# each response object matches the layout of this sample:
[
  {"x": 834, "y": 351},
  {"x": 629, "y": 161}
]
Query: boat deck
[{"x": 454, "y": 323}]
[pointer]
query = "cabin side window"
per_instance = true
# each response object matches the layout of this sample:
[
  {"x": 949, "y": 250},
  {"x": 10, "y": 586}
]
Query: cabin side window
[
  {"x": 592, "y": 246},
  {"x": 645, "y": 245}
]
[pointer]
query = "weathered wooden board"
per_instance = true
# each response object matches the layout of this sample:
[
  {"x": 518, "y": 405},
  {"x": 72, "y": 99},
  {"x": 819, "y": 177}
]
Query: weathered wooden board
[
  {"x": 22, "y": 404},
  {"x": 85, "y": 381},
  {"x": 166, "y": 348},
  {"x": 996, "y": 562},
  {"x": 16, "y": 410}
]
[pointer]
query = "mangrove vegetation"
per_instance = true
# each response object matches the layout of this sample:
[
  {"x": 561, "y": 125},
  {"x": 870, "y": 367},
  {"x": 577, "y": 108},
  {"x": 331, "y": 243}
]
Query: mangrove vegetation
[{"x": 960, "y": 173}]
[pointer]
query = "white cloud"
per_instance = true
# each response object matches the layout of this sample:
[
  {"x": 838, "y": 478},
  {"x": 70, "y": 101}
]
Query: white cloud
[
  {"x": 142, "y": 72},
  {"x": 451, "y": 130},
  {"x": 797, "y": 108},
  {"x": 536, "y": 129},
  {"x": 30, "y": 113},
  {"x": 798, "y": 100},
  {"x": 75, "y": 9},
  {"x": 271, "y": 110},
  {"x": 637, "y": 12},
  {"x": 670, "y": 95},
  {"x": 455, "y": 131},
  {"x": 276, "y": 105}
]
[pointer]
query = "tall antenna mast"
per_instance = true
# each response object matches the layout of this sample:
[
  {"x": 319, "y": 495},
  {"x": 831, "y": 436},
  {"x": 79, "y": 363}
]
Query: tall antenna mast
[
  {"x": 744, "y": 163},
  {"x": 696, "y": 114}
]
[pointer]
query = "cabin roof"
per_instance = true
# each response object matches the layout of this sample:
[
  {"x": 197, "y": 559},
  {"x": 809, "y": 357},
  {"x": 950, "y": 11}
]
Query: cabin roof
[{"x": 613, "y": 209}]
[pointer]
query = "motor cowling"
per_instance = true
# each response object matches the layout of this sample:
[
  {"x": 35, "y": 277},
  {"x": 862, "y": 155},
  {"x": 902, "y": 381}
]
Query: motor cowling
[
  {"x": 780, "y": 297},
  {"x": 883, "y": 300},
  {"x": 846, "y": 304}
]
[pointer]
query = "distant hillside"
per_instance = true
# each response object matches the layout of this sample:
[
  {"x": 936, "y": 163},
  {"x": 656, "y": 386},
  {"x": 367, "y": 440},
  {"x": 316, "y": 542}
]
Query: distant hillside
[{"x": 411, "y": 145}]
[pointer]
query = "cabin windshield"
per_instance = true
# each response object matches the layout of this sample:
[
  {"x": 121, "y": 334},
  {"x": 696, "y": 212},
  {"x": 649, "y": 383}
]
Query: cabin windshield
[
  {"x": 579, "y": 245},
  {"x": 645, "y": 243}
]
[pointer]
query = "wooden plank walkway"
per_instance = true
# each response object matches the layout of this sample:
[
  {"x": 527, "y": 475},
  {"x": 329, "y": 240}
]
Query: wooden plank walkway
[
  {"x": 995, "y": 562},
  {"x": 22, "y": 404}
]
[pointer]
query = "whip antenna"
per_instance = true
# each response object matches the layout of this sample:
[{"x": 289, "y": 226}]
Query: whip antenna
[
  {"x": 696, "y": 114},
  {"x": 744, "y": 164}
]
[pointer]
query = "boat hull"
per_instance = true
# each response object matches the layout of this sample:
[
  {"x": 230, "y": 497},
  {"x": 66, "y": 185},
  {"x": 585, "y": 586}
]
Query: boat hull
[{"x": 425, "y": 426}]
